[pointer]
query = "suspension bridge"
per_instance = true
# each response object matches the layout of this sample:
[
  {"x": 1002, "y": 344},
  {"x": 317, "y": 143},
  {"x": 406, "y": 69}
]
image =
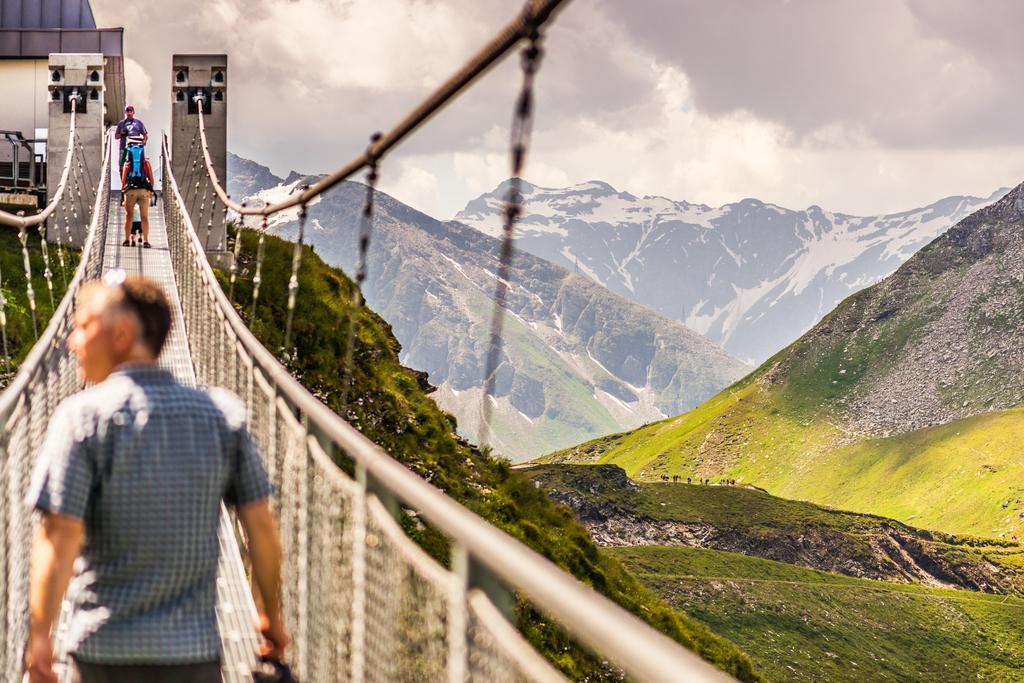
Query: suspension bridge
[{"x": 362, "y": 601}]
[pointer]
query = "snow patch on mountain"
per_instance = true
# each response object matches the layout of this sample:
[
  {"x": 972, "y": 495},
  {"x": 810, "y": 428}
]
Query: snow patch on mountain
[{"x": 749, "y": 275}]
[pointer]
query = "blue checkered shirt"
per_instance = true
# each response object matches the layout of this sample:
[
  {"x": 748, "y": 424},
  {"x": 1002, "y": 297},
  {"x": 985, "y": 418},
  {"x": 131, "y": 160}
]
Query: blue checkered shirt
[{"x": 145, "y": 462}]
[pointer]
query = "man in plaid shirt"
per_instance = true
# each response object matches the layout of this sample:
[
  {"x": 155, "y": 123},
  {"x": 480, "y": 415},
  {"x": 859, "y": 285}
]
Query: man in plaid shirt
[{"x": 130, "y": 481}]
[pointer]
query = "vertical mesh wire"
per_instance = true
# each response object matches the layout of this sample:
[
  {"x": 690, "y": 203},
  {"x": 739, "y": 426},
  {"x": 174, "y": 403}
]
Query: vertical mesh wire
[
  {"x": 16, "y": 539},
  {"x": 498, "y": 653},
  {"x": 291, "y": 487},
  {"x": 329, "y": 632},
  {"x": 406, "y": 605},
  {"x": 25, "y": 411}
]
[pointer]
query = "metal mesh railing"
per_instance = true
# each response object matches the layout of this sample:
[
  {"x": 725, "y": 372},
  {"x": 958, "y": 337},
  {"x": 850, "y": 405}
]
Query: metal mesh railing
[
  {"x": 47, "y": 376},
  {"x": 361, "y": 600}
]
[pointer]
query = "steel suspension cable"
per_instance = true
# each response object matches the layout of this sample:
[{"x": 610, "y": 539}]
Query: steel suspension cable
[
  {"x": 522, "y": 126},
  {"x": 535, "y": 15},
  {"x": 365, "y": 230},
  {"x": 293, "y": 281},
  {"x": 234, "y": 261},
  {"x": 3, "y": 326}
]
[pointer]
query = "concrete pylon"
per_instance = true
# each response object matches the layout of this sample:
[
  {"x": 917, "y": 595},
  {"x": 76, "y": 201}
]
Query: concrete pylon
[
  {"x": 74, "y": 77},
  {"x": 201, "y": 81}
]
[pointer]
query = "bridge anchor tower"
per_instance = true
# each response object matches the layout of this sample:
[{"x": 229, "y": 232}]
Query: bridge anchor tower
[
  {"x": 79, "y": 78},
  {"x": 200, "y": 80}
]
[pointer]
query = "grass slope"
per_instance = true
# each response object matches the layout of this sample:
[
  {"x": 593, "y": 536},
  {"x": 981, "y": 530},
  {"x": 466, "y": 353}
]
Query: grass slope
[
  {"x": 390, "y": 406},
  {"x": 803, "y": 625},
  {"x": 756, "y": 523},
  {"x": 20, "y": 333},
  {"x": 963, "y": 477}
]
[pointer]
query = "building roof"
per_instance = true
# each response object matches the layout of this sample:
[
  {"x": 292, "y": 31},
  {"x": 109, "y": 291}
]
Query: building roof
[
  {"x": 46, "y": 14},
  {"x": 33, "y": 29}
]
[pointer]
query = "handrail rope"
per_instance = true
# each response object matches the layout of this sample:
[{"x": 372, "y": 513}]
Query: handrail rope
[
  {"x": 642, "y": 652},
  {"x": 32, "y": 221},
  {"x": 12, "y": 394},
  {"x": 536, "y": 14}
]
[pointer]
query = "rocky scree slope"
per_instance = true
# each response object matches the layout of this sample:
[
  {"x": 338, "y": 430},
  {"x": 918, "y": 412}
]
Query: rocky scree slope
[
  {"x": 578, "y": 360},
  {"x": 620, "y": 512},
  {"x": 748, "y": 275},
  {"x": 842, "y": 415},
  {"x": 940, "y": 339}
]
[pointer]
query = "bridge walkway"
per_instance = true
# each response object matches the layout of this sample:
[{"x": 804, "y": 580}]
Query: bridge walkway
[{"x": 236, "y": 613}]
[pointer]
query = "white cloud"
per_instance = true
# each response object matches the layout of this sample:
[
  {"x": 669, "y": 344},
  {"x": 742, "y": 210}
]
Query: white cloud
[
  {"x": 699, "y": 101},
  {"x": 413, "y": 185},
  {"x": 138, "y": 83}
]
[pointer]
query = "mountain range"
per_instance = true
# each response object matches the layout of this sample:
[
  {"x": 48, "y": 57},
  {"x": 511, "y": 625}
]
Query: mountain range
[
  {"x": 750, "y": 276},
  {"x": 904, "y": 401},
  {"x": 578, "y": 360}
]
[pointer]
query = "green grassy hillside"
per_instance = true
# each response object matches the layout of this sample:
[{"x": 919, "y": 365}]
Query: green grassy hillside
[
  {"x": 803, "y": 625},
  {"x": 620, "y": 512},
  {"x": 20, "y": 335},
  {"x": 963, "y": 477},
  {"x": 390, "y": 405},
  {"x": 838, "y": 417}
]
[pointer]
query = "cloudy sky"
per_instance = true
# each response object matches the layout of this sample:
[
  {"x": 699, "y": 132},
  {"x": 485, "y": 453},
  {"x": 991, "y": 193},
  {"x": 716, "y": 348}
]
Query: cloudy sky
[{"x": 860, "y": 106}]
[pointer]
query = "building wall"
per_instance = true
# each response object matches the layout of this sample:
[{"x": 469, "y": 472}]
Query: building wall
[{"x": 23, "y": 90}]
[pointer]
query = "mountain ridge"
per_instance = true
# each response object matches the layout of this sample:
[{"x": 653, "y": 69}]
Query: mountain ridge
[
  {"x": 904, "y": 401},
  {"x": 750, "y": 275}
]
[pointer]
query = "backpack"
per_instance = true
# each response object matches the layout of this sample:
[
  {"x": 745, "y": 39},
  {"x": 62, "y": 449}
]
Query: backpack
[{"x": 135, "y": 159}]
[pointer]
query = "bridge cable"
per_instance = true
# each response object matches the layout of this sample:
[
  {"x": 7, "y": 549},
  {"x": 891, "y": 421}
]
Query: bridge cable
[
  {"x": 365, "y": 231},
  {"x": 86, "y": 173},
  {"x": 29, "y": 291},
  {"x": 223, "y": 243},
  {"x": 293, "y": 281},
  {"x": 522, "y": 127},
  {"x": 257, "y": 277},
  {"x": 3, "y": 326},
  {"x": 238, "y": 250},
  {"x": 47, "y": 273}
]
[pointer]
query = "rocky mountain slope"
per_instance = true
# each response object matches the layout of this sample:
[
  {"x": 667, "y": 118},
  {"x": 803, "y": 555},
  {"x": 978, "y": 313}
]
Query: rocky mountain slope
[
  {"x": 903, "y": 401},
  {"x": 578, "y": 360},
  {"x": 751, "y": 276}
]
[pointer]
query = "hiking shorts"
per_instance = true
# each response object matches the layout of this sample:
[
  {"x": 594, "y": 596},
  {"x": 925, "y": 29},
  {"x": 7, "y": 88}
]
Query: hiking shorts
[
  {"x": 136, "y": 196},
  {"x": 84, "y": 672}
]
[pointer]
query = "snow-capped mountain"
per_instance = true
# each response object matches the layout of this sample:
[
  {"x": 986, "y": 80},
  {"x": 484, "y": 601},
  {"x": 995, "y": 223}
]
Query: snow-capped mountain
[{"x": 751, "y": 276}]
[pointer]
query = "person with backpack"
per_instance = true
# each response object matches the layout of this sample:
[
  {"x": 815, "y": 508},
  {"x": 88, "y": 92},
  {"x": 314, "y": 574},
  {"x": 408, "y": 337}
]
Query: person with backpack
[
  {"x": 137, "y": 184},
  {"x": 129, "y": 127}
]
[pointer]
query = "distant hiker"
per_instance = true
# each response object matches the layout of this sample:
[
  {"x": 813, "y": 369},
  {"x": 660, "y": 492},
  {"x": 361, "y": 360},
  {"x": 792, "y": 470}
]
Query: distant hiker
[
  {"x": 688, "y": 480},
  {"x": 664, "y": 477},
  {"x": 129, "y": 127},
  {"x": 137, "y": 184},
  {"x": 129, "y": 483},
  {"x": 136, "y": 225}
]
